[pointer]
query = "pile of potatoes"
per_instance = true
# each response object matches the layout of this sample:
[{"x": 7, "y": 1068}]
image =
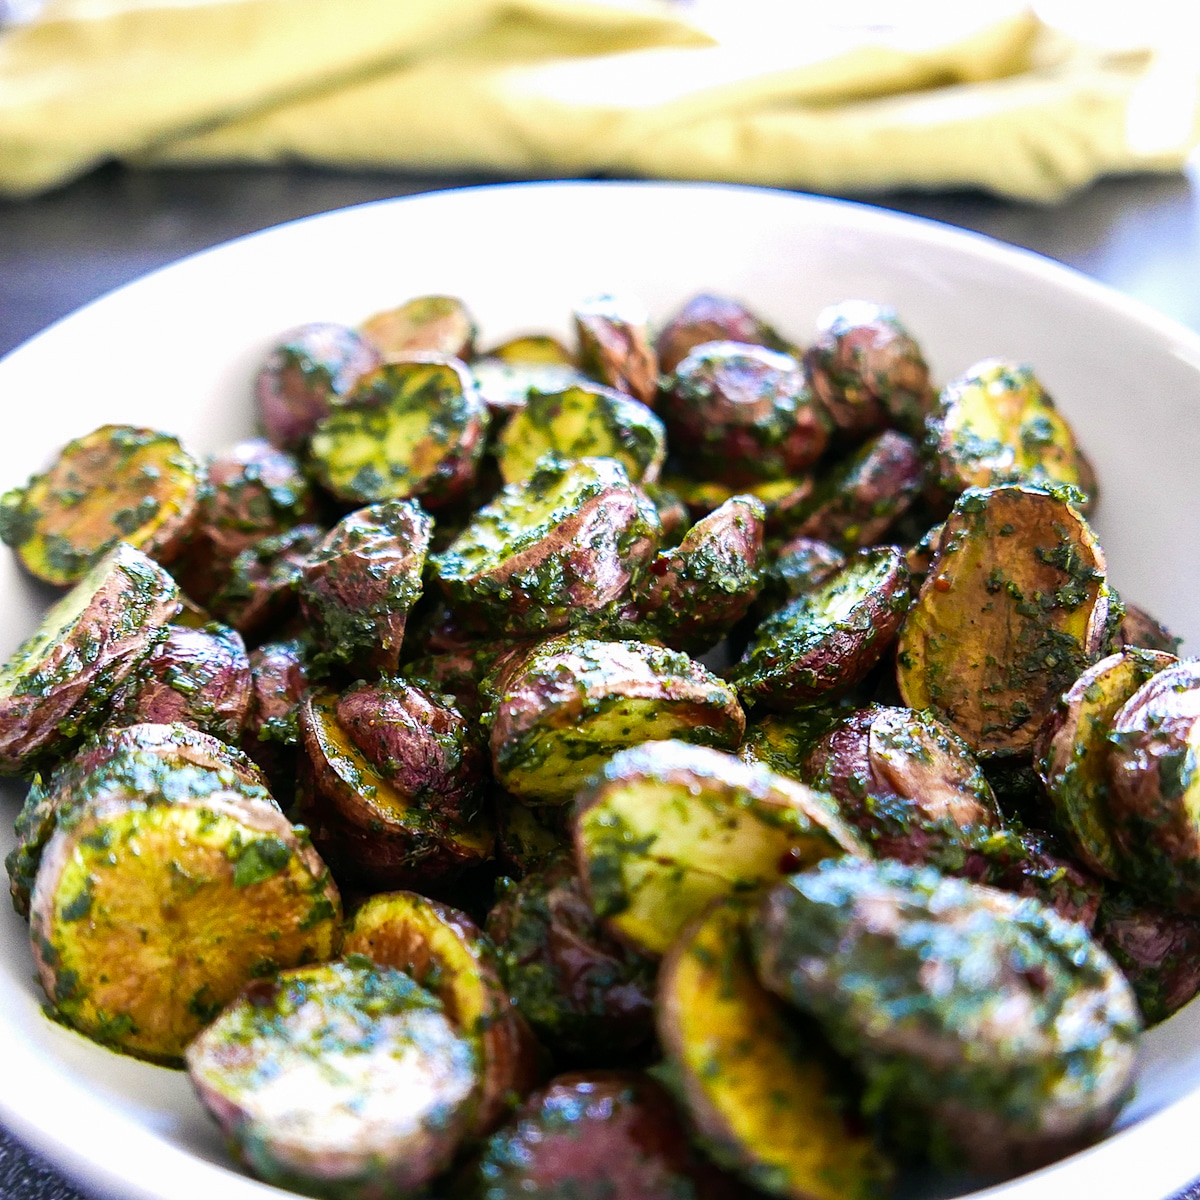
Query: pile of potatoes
[{"x": 668, "y": 766}]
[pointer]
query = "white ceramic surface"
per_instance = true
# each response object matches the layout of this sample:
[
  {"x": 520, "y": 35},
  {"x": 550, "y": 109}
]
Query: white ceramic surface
[{"x": 179, "y": 348}]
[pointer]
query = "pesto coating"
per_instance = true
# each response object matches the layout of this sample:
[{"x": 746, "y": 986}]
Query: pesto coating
[{"x": 991, "y": 1032}]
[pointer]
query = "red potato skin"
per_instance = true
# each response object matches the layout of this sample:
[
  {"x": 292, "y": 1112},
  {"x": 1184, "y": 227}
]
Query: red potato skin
[
  {"x": 278, "y": 681},
  {"x": 196, "y": 678},
  {"x": 30, "y": 719},
  {"x": 428, "y": 751},
  {"x": 617, "y": 351},
  {"x": 625, "y": 1140},
  {"x": 708, "y": 318},
  {"x": 312, "y": 369}
]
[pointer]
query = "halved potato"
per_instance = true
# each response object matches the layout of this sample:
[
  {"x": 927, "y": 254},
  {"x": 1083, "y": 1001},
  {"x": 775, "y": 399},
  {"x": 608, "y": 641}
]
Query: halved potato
[
  {"x": 118, "y": 484},
  {"x": 413, "y": 428},
  {"x": 696, "y": 592},
  {"x": 279, "y": 677},
  {"x": 572, "y": 702},
  {"x": 666, "y": 828},
  {"x": 371, "y": 833},
  {"x": 997, "y": 425},
  {"x": 1014, "y": 609},
  {"x": 583, "y": 421},
  {"x": 1072, "y": 752},
  {"x": 357, "y": 586},
  {"x": 614, "y": 345},
  {"x": 58, "y": 684},
  {"x": 446, "y": 952},
  {"x": 506, "y": 385},
  {"x": 828, "y": 638},
  {"x": 867, "y": 369},
  {"x": 147, "y": 919},
  {"x": 588, "y": 996},
  {"x": 759, "y": 1099},
  {"x": 342, "y": 1080},
  {"x": 423, "y": 325},
  {"x": 709, "y": 318},
  {"x": 561, "y": 548},
  {"x": 313, "y": 369}
]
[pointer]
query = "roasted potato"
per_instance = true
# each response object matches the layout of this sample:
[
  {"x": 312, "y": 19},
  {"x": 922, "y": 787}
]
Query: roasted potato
[
  {"x": 506, "y": 385},
  {"x": 798, "y": 566},
  {"x": 532, "y": 349},
  {"x": 340, "y": 1080},
  {"x": 254, "y": 491},
  {"x": 527, "y": 839},
  {"x": 371, "y": 833},
  {"x": 588, "y": 997},
  {"x": 1154, "y": 784},
  {"x": 1072, "y": 753},
  {"x": 742, "y": 414},
  {"x": 564, "y": 547},
  {"x": 150, "y": 763},
  {"x": 908, "y": 784},
  {"x": 410, "y": 429},
  {"x": 614, "y": 345},
  {"x": 423, "y": 325},
  {"x": 997, "y": 425},
  {"x": 1014, "y": 609},
  {"x": 198, "y": 677},
  {"x": 757, "y": 1095},
  {"x": 855, "y": 503},
  {"x": 708, "y": 318},
  {"x": 827, "y": 639},
  {"x": 58, "y": 685},
  {"x": 1158, "y": 952},
  {"x": 583, "y": 421},
  {"x": 357, "y": 586},
  {"x": 311, "y": 371},
  {"x": 992, "y": 1033},
  {"x": 665, "y": 828},
  {"x": 868, "y": 371},
  {"x": 1139, "y": 630},
  {"x": 118, "y": 484},
  {"x": 147, "y": 918},
  {"x": 595, "y": 1133},
  {"x": 446, "y": 952},
  {"x": 572, "y": 702},
  {"x": 279, "y": 677}
]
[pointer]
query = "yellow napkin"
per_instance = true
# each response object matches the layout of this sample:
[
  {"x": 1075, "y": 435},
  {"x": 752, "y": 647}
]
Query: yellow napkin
[{"x": 752, "y": 90}]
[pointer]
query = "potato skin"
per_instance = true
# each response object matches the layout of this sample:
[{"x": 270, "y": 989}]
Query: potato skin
[
  {"x": 709, "y": 318},
  {"x": 357, "y": 586},
  {"x": 429, "y": 753},
  {"x": 743, "y": 414},
  {"x": 279, "y": 677},
  {"x": 1154, "y": 783},
  {"x": 425, "y": 324},
  {"x": 197, "y": 677},
  {"x": 596, "y": 1133},
  {"x": 1010, "y": 1044},
  {"x": 446, "y": 952},
  {"x": 371, "y": 834},
  {"x": 614, "y": 345},
  {"x": 312, "y": 369},
  {"x": 562, "y": 548},
  {"x": 908, "y": 784},
  {"x": 588, "y": 997},
  {"x": 370, "y": 1106},
  {"x": 697, "y": 592},
  {"x": 867, "y": 370},
  {"x": 829, "y": 638},
  {"x": 57, "y": 685}
]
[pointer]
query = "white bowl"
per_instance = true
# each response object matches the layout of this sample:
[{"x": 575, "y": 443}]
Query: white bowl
[{"x": 178, "y": 350}]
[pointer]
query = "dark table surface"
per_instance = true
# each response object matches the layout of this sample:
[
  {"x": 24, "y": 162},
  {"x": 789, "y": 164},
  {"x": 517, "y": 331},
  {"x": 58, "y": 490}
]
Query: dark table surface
[{"x": 1140, "y": 236}]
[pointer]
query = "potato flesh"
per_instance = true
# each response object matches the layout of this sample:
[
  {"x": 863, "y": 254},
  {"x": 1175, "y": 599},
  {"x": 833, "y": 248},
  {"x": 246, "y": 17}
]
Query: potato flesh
[
  {"x": 760, "y": 1104},
  {"x": 1013, "y": 610},
  {"x": 117, "y": 484},
  {"x": 147, "y": 920},
  {"x": 671, "y": 827}
]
